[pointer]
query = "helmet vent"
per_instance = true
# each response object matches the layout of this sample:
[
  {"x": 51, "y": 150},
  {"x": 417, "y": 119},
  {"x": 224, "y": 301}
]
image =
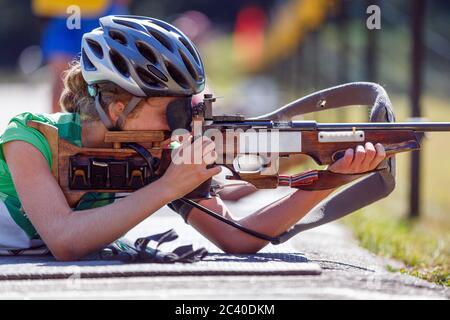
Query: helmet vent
[
  {"x": 161, "y": 39},
  {"x": 86, "y": 62},
  {"x": 118, "y": 36},
  {"x": 157, "y": 73},
  {"x": 119, "y": 63},
  {"x": 160, "y": 24},
  {"x": 176, "y": 75},
  {"x": 95, "y": 47},
  {"x": 189, "y": 65},
  {"x": 129, "y": 24},
  {"x": 190, "y": 49},
  {"x": 147, "y": 77},
  {"x": 146, "y": 51}
]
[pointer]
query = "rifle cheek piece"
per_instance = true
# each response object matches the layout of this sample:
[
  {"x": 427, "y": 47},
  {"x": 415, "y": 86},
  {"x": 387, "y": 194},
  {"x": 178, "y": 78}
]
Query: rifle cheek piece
[{"x": 179, "y": 114}]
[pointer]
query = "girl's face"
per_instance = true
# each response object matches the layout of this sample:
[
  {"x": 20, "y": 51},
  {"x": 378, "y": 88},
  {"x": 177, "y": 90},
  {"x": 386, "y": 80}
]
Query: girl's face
[{"x": 152, "y": 116}]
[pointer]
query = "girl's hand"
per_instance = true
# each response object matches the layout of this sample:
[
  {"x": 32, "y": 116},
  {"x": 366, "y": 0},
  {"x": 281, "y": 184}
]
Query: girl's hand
[
  {"x": 188, "y": 167},
  {"x": 361, "y": 160}
]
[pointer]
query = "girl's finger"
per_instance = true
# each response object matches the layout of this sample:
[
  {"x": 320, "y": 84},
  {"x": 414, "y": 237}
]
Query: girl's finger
[
  {"x": 344, "y": 163},
  {"x": 208, "y": 147},
  {"x": 210, "y": 157},
  {"x": 201, "y": 142},
  {"x": 360, "y": 154},
  {"x": 370, "y": 155},
  {"x": 380, "y": 155},
  {"x": 348, "y": 157},
  {"x": 213, "y": 171},
  {"x": 184, "y": 140}
]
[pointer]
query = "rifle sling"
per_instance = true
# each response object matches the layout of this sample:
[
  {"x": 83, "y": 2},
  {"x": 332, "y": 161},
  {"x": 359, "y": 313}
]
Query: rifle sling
[{"x": 312, "y": 180}]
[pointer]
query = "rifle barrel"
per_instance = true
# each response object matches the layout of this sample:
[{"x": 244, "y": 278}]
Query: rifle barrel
[
  {"x": 313, "y": 125},
  {"x": 415, "y": 126}
]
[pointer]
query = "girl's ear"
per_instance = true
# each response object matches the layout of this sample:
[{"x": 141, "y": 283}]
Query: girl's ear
[{"x": 115, "y": 109}]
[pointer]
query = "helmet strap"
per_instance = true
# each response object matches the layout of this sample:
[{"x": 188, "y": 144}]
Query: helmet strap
[
  {"x": 102, "y": 114},
  {"x": 131, "y": 105}
]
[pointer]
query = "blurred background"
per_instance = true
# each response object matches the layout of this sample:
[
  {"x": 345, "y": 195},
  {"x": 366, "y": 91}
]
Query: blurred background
[{"x": 262, "y": 54}]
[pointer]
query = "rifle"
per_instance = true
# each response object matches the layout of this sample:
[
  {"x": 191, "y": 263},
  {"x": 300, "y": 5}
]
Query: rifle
[
  {"x": 251, "y": 149},
  {"x": 254, "y": 144}
]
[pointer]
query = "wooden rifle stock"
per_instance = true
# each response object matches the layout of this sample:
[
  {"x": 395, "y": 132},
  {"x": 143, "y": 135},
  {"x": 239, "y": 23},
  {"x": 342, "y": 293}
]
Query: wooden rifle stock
[{"x": 64, "y": 153}]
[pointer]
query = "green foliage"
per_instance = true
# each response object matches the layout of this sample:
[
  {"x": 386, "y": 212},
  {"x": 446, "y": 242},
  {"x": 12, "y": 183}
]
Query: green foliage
[{"x": 425, "y": 255}]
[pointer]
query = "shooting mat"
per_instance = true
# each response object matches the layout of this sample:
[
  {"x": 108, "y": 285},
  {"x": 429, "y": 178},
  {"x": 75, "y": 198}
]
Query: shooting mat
[{"x": 272, "y": 260}]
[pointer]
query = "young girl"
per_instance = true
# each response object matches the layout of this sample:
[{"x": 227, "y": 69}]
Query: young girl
[{"x": 130, "y": 69}]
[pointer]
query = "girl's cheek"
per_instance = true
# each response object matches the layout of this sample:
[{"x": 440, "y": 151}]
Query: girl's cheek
[{"x": 156, "y": 124}]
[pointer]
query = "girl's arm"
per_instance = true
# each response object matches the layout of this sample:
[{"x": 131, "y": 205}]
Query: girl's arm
[
  {"x": 271, "y": 220},
  {"x": 236, "y": 191},
  {"x": 279, "y": 216},
  {"x": 73, "y": 234}
]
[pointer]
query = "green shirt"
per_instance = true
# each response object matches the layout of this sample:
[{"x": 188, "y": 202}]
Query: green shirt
[{"x": 69, "y": 128}]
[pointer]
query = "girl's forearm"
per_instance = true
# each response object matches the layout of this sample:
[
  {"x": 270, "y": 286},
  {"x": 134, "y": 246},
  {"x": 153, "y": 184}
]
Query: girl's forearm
[
  {"x": 279, "y": 216},
  {"x": 271, "y": 220},
  {"x": 89, "y": 230}
]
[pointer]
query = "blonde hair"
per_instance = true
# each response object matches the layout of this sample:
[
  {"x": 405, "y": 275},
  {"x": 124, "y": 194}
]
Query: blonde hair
[{"x": 75, "y": 96}]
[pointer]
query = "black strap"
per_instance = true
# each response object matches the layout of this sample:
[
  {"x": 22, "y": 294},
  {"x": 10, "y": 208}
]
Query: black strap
[
  {"x": 189, "y": 202},
  {"x": 273, "y": 240},
  {"x": 152, "y": 162},
  {"x": 146, "y": 249}
]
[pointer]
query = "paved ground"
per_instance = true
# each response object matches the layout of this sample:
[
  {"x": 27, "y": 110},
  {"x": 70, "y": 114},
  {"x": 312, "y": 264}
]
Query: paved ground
[{"x": 348, "y": 272}]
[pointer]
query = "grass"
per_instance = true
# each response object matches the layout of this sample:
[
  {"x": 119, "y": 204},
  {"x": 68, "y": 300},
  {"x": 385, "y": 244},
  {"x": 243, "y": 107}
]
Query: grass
[{"x": 424, "y": 254}]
